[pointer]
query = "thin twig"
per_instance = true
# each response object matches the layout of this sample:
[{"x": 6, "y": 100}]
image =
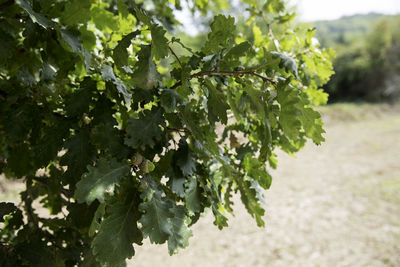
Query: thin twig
[
  {"x": 43, "y": 181},
  {"x": 174, "y": 40},
  {"x": 270, "y": 33},
  {"x": 178, "y": 130},
  {"x": 177, "y": 58},
  {"x": 29, "y": 210},
  {"x": 226, "y": 73}
]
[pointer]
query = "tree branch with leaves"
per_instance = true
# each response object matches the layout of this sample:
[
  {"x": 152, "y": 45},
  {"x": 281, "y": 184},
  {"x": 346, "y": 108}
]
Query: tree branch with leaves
[{"x": 122, "y": 136}]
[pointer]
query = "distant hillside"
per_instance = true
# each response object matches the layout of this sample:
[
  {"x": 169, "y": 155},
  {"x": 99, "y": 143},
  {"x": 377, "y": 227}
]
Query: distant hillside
[
  {"x": 346, "y": 29},
  {"x": 367, "y": 63}
]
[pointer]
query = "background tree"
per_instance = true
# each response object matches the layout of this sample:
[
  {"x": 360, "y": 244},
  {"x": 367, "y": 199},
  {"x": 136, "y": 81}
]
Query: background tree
[
  {"x": 121, "y": 138},
  {"x": 367, "y": 64}
]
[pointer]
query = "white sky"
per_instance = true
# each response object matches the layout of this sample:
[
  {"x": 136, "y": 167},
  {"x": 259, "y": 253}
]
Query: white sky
[{"x": 310, "y": 10}]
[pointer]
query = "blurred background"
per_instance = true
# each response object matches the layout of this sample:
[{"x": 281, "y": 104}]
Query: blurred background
[{"x": 337, "y": 204}]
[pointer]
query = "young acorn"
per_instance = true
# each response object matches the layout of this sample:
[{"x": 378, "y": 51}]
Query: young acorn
[{"x": 144, "y": 165}]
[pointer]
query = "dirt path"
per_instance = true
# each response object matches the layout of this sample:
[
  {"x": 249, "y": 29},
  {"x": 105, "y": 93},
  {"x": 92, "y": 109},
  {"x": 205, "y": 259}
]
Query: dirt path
[{"x": 333, "y": 205}]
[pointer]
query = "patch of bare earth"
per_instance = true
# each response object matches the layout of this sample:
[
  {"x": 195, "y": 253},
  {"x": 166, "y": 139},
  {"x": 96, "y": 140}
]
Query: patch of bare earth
[{"x": 337, "y": 204}]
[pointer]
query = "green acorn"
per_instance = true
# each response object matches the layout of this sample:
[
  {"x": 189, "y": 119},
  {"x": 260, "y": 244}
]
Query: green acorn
[
  {"x": 146, "y": 166},
  {"x": 137, "y": 159}
]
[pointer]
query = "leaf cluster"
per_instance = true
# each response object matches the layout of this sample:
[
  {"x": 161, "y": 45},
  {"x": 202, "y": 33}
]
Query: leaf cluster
[{"x": 122, "y": 138}]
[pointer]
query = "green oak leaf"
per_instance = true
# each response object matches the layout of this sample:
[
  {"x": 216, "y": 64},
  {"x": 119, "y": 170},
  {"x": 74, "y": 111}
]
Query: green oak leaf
[
  {"x": 89, "y": 260},
  {"x": 48, "y": 72},
  {"x": 6, "y": 208},
  {"x": 222, "y": 30},
  {"x": 239, "y": 50},
  {"x": 169, "y": 100},
  {"x": 180, "y": 232},
  {"x": 106, "y": 137},
  {"x": 80, "y": 214},
  {"x": 7, "y": 46},
  {"x": 256, "y": 100},
  {"x": 287, "y": 62},
  {"x": 157, "y": 214},
  {"x": 20, "y": 160},
  {"x": 259, "y": 191},
  {"x": 122, "y": 8},
  {"x": 103, "y": 111},
  {"x": 100, "y": 180},
  {"x": 19, "y": 121},
  {"x": 163, "y": 165},
  {"x": 184, "y": 158},
  {"x": 78, "y": 102},
  {"x": 288, "y": 99},
  {"x": 76, "y": 11},
  {"x": 143, "y": 16},
  {"x": 232, "y": 58},
  {"x": 177, "y": 183},
  {"x": 113, "y": 243},
  {"x": 104, "y": 19},
  {"x": 220, "y": 221},
  {"x": 159, "y": 44},
  {"x": 217, "y": 104},
  {"x": 79, "y": 155},
  {"x": 95, "y": 225},
  {"x": 228, "y": 198},
  {"x": 120, "y": 52},
  {"x": 257, "y": 170},
  {"x": 107, "y": 74},
  {"x": 249, "y": 198},
  {"x": 312, "y": 123},
  {"x": 145, "y": 76},
  {"x": 35, "y": 17},
  {"x": 205, "y": 137},
  {"x": 146, "y": 130},
  {"x": 162, "y": 219},
  {"x": 72, "y": 40},
  {"x": 192, "y": 196}
]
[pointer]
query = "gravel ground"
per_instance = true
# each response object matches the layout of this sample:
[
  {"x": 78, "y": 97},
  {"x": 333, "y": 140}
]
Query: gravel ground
[{"x": 337, "y": 204}]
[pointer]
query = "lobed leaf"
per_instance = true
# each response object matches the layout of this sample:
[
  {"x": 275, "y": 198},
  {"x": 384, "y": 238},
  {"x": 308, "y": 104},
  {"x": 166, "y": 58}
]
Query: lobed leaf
[
  {"x": 120, "y": 52},
  {"x": 217, "y": 104},
  {"x": 156, "y": 209},
  {"x": 222, "y": 30},
  {"x": 145, "y": 75},
  {"x": 192, "y": 196},
  {"x": 107, "y": 74},
  {"x": 35, "y": 17},
  {"x": 257, "y": 171},
  {"x": 113, "y": 243},
  {"x": 180, "y": 232},
  {"x": 159, "y": 44},
  {"x": 287, "y": 62},
  {"x": 162, "y": 219},
  {"x": 146, "y": 130},
  {"x": 100, "y": 180}
]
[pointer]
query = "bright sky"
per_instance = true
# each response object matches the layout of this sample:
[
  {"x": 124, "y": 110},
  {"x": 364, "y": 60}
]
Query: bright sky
[{"x": 310, "y": 10}]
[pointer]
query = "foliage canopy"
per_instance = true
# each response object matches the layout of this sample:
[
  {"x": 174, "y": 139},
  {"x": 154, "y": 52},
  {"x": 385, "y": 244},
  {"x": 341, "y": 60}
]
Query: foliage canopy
[{"x": 122, "y": 132}]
